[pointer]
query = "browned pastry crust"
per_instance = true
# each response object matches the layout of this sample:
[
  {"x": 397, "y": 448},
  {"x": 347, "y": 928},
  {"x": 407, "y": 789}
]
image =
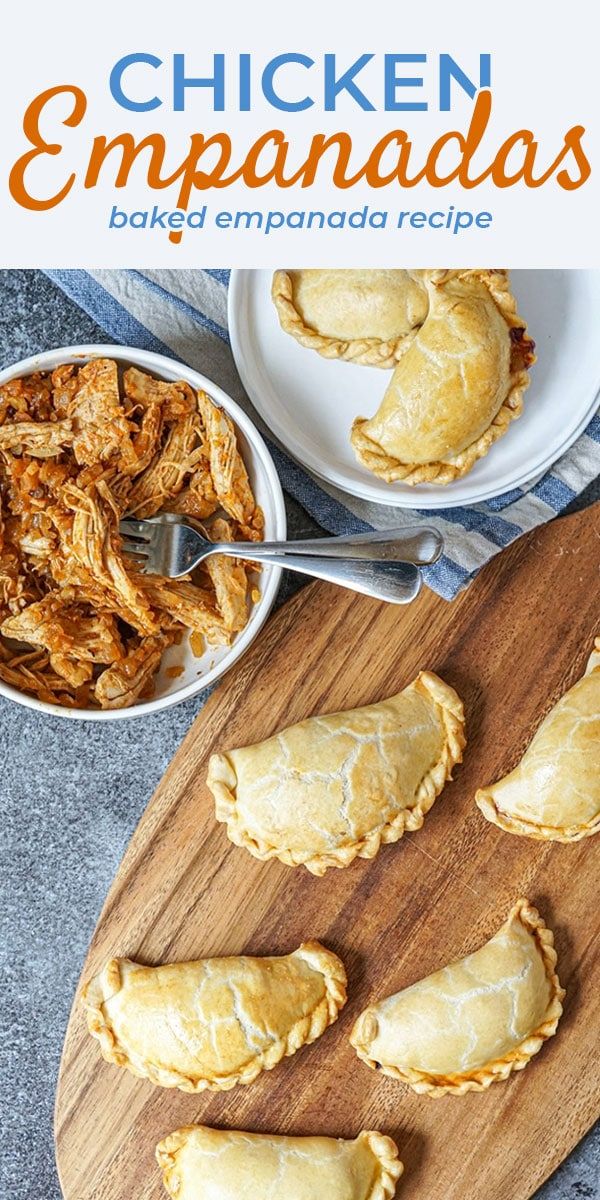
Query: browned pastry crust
[
  {"x": 337, "y": 787},
  {"x": 553, "y": 794},
  {"x": 514, "y": 973},
  {"x": 456, "y": 388},
  {"x": 216, "y": 1022},
  {"x": 197, "y": 1161},
  {"x": 364, "y": 317}
]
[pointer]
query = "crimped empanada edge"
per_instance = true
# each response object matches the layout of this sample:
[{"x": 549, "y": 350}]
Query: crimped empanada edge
[
  {"x": 166, "y": 1156},
  {"x": 222, "y": 781},
  {"x": 303, "y": 1032},
  {"x": 453, "y": 719},
  {"x": 366, "y": 352},
  {"x": 486, "y": 803},
  {"x": 95, "y": 992},
  {"x": 392, "y": 470},
  {"x": 383, "y": 1149},
  {"x": 497, "y": 1069},
  {"x": 566, "y": 835}
]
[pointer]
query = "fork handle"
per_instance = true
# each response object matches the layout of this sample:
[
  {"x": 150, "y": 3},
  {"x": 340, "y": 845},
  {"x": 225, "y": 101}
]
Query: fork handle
[
  {"x": 395, "y": 582},
  {"x": 419, "y": 545}
]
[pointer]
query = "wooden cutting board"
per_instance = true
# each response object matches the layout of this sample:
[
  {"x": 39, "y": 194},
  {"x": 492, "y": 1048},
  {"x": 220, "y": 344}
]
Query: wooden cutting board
[{"x": 511, "y": 644}]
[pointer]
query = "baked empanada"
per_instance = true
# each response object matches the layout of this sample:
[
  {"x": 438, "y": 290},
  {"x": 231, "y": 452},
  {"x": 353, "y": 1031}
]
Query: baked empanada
[
  {"x": 215, "y": 1022},
  {"x": 199, "y": 1163},
  {"x": 361, "y": 316},
  {"x": 474, "y": 1021},
  {"x": 554, "y": 792},
  {"x": 457, "y": 386},
  {"x": 335, "y": 787}
]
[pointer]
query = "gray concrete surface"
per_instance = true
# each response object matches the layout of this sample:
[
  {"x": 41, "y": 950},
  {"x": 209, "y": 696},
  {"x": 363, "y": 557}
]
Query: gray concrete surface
[{"x": 70, "y": 797}]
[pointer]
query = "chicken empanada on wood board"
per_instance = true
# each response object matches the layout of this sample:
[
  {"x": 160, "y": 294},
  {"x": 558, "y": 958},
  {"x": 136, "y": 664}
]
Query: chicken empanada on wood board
[
  {"x": 215, "y": 1022},
  {"x": 474, "y": 1021},
  {"x": 199, "y": 1163},
  {"x": 554, "y": 792},
  {"x": 336, "y": 787},
  {"x": 456, "y": 388},
  {"x": 364, "y": 317}
]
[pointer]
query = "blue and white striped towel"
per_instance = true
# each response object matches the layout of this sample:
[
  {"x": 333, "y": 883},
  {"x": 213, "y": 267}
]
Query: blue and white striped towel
[{"x": 184, "y": 314}]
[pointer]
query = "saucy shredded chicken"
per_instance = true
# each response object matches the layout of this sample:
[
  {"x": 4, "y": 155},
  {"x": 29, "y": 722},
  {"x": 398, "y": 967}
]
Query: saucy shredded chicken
[{"x": 81, "y": 448}]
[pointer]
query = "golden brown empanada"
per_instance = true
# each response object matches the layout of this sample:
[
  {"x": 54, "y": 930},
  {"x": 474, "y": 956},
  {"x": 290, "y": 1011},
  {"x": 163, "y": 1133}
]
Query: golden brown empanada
[
  {"x": 554, "y": 792},
  {"x": 215, "y": 1022},
  {"x": 335, "y": 787},
  {"x": 361, "y": 316},
  {"x": 456, "y": 388},
  {"x": 474, "y": 1021},
  {"x": 199, "y": 1163}
]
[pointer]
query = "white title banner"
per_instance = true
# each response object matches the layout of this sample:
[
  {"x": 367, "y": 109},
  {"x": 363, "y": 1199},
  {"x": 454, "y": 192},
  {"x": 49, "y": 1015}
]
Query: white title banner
[{"x": 339, "y": 134}]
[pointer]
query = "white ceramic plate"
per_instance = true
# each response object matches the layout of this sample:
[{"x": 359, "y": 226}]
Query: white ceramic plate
[
  {"x": 197, "y": 673},
  {"x": 310, "y": 403}
]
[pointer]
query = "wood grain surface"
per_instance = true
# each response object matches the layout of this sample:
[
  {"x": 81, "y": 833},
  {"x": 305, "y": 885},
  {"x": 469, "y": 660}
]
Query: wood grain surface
[{"x": 511, "y": 644}]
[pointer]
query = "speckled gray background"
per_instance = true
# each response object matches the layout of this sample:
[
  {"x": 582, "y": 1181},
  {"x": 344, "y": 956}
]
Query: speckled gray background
[{"x": 71, "y": 795}]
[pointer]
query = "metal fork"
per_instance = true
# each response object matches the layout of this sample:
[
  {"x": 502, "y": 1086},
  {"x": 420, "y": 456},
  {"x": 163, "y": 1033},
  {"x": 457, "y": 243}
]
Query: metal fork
[{"x": 380, "y": 564}]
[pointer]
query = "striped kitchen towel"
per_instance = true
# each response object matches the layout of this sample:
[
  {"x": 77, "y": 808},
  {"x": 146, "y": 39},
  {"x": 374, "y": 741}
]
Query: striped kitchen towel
[{"x": 184, "y": 314}]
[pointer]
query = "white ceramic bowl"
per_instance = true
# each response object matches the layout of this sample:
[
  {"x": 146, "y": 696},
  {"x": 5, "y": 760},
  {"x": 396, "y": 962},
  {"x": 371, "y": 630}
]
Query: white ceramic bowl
[{"x": 197, "y": 673}]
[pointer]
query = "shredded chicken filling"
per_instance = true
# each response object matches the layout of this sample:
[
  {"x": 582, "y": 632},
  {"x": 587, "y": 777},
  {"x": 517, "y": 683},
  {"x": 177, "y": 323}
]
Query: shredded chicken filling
[{"x": 81, "y": 448}]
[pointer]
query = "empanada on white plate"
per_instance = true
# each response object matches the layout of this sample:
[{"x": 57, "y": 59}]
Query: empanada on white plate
[
  {"x": 554, "y": 792},
  {"x": 474, "y": 1021},
  {"x": 336, "y": 787},
  {"x": 457, "y": 386},
  {"x": 361, "y": 316},
  {"x": 199, "y": 1163},
  {"x": 215, "y": 1022}
]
